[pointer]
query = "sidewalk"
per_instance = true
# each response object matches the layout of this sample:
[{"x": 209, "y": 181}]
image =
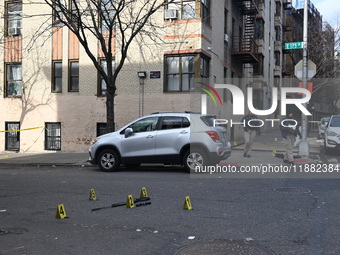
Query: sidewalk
[
  {"x": 45, "y": 159},
  {"x": 266, "y": 144},
  {"x": 272, "y": 141},
  {"x": 263, "y": 148}
]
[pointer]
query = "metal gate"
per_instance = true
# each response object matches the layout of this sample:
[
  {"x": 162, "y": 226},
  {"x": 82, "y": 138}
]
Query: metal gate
[{"x": 12, "y": 138}]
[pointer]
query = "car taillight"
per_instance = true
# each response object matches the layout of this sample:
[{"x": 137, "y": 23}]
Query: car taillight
[{"x": 213, "y": 135}]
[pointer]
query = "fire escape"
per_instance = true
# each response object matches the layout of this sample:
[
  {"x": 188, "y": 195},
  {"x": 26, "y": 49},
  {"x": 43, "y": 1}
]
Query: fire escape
[{"x": 244, "y": 47}]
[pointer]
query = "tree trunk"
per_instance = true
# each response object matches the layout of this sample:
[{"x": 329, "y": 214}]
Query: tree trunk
[{"x": 110, "y": 114}]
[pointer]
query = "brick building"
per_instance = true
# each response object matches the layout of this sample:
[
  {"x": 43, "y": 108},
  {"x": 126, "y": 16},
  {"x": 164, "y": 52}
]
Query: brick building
[{"x": 53, "y": 99}]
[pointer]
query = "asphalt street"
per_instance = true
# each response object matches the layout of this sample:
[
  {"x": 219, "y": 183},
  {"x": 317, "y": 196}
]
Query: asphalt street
[{"x": 282, "y": 215}]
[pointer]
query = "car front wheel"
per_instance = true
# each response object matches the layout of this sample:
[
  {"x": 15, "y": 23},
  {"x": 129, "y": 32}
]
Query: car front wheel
[
  {"x": 195, "y": 160},
  {"x": 108, "y": 161}
]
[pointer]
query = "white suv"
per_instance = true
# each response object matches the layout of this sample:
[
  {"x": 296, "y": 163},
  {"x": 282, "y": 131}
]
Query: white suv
[
  {"x": 185, "y": 138},
  {"x": 332, "y": 134}
]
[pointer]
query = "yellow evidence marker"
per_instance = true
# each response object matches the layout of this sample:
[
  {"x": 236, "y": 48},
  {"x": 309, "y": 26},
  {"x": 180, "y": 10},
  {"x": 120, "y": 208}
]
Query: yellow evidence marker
[
  {"x": 61, "y": 213},
  {"x": 143, "y": 193},
  {"x": 129, "y": 202},
  {"x": 187, "y": 203},
  {"x": 92, "y": 195}
]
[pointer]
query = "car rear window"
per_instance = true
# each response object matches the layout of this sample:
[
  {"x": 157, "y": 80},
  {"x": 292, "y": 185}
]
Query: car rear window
[
  {"x": 208, "y": 120},
  {"x": 335, "y": 121}
]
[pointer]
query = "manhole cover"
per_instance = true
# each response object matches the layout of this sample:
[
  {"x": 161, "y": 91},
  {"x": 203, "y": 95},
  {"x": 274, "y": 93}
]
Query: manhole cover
[
  {"x": 293, "y": 190},
  {"x": 223, "y": 247}
]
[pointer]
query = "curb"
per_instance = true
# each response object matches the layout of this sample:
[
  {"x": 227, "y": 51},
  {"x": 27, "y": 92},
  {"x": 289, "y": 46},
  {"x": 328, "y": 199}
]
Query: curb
[{"x": 84, "y": 164}]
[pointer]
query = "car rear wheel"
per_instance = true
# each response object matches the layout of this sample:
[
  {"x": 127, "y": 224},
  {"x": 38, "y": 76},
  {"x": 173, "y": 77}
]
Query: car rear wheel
[
  {"x": 194, "y": 160},
  {"x": 108, "y": 161}
]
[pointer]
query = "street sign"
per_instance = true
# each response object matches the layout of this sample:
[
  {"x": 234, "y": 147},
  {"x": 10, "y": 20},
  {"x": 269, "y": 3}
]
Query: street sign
[
  {"x": 293, "y": 45},
  {"x": 298, "y": 69}
]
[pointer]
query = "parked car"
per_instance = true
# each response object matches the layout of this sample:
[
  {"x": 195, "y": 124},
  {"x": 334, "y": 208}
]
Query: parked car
[
  {"x": 322, "y": 126},
  {"x": 189, "y": 139},
  {"x": 332, "y": 134}
]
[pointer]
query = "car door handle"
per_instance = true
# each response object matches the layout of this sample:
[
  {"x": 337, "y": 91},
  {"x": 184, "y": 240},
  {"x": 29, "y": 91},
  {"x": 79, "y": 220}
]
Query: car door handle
[
  {"x": 184, "y": 132},
  {"x": 149, "y": 136}
]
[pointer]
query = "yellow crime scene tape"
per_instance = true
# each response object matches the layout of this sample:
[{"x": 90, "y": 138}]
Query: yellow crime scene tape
[
  {"x": 26, "y": 129},
  {"x": 19, "y": 130}
]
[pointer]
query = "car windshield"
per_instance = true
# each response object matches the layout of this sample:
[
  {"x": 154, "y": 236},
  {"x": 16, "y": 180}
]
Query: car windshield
[{"x": 335, "y": 121}]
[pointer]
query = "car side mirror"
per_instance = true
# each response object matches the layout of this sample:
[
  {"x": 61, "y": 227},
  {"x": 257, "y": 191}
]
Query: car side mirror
[{"x": 128, "y": 132}]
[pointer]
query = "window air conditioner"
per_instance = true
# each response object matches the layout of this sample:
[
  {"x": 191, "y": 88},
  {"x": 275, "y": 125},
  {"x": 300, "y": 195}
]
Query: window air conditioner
[
  {"x": 226, "y": 37},
  {"x": 13, "y": 31},
  {"x": 170, "y": 14}
]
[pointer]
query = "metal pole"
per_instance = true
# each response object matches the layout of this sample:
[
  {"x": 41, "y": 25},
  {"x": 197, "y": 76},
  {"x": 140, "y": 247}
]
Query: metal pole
[{"x": 304, "y": 146}]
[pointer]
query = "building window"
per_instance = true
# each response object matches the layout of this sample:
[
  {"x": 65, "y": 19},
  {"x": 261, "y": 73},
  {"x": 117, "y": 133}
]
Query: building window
[
  {"x": 101, "y": 129},
  {"x": 14, "y": 18},
  {"x": 57, "y": 76},
  {"x": 225, "y": 21},
  {"x": 108, "y": 13},
  {"x": 258, "y": 67},
  {"x": 278, "y": 33},
  {"x": 205, "y": 9},
  {"x": 13, "y": 80},
  {"x": 102, "y": 87},
  {"x": 58, "y": 13},
  {"x": 277, "y": 55},
  {"x": 225, "y": 93},
  {"x": 259, "y": 28},
  {"x": 232, "y": 32},
  {"x": 204, "y": 67},
  {"x": 185, "y": 9},
  {"x": 53, "y": 136},
  {"x": 190, "y": 9},
  {"x": 12, "y": 136},
  {"x": 278, "y": 9},
  {"x": 73, "y": 76},
  {"x": 182, "y": 69},
  {"x": 74, "y": 4},
  {"x": 180, "y": 73}
]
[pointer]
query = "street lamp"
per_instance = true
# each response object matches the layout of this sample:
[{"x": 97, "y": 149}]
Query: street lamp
[
  {"x": 141, "y": 76},
  {"x": 304, "y": 146}
]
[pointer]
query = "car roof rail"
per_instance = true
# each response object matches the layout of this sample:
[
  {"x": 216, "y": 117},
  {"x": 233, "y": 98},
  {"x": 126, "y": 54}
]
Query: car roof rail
[{"x": 175, "y": 112}]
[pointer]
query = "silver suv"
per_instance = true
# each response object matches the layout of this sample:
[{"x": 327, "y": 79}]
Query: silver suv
[{"x": 185, "y": 138}]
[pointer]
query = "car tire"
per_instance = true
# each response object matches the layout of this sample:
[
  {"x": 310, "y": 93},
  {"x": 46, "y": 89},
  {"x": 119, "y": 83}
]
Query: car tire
[
  {"x": 108, "y": 161},
  {"x": 194, "y": 158}
]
